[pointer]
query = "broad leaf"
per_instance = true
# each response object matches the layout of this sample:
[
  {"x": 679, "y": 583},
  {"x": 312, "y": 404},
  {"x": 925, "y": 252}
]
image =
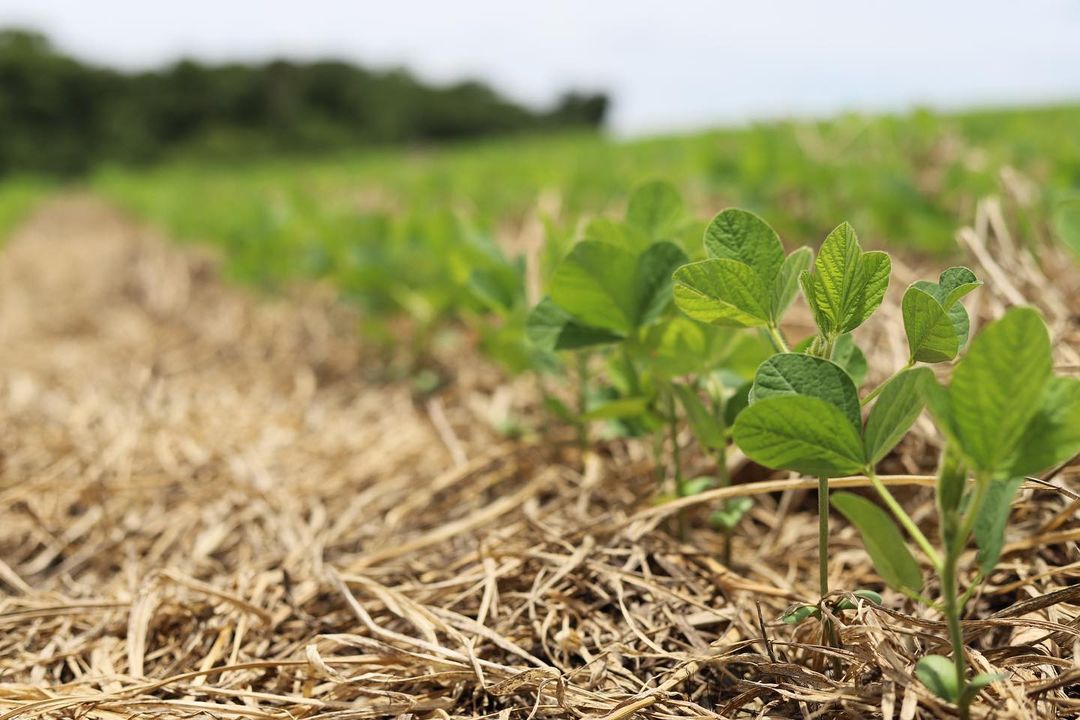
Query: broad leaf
[
  {"x": 800, "y": 433},
  {"x": 612, "y": 232},
  {"x": 847, "y": 355},
  {"x": 846, "y": 285},
  {"x": 883, "y": 541},
  {"x": 740, "y": 235},
  {"x": 721, "y": 292},
  {"x": 595, "y": 284},
  {"x": 799, "y": 374},
  {"x": 894, "y": 411},
  {"x": 707, "y": 429},
  {"x": 551, "y": 328},
  {"x": 1053, "y": 435},
  {"x": 998, "y": 387},
  {"x": 655, "y": 208},
  {"x": 786, "y": 284},
  {"x": 653, "y": 281},
  {"x": 993, "y": 516},
  {"x": 935, "y": 321},
  {"x": 939, "y": 674}
]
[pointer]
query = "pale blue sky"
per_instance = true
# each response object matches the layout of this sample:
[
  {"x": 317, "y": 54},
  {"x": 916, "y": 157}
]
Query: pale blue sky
[{"x": 670, "y": 64}]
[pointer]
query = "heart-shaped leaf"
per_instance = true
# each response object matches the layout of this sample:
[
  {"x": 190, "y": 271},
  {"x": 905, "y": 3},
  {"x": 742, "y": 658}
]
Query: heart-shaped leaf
[
  {"x": 595, "y": 284},
  {"x": 894, "y": 411},
  {"x": 796, "y": 432},
  {"x": 845, "y": 285},
  {"x": 741, "y": 235},
  {"x": 935, "y": 321},
  {"x": 883, "y": 541},
  {"x": 799, "y": 374},
  {"x": 721, "y": 292}
]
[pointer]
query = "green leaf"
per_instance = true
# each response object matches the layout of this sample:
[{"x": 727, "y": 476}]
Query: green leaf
[
  {"x": 730, "y": 513},
  {"x": 595, "y": 284},
  {"x": 883, "y": 541},
  {"x": 939, "y": 674},
  {"x": 846, "y": 285},
  {"x": 612, "y": 232},
  {"x": 655, "y": 208},
  {"x": 653, "y": 280},
  {"x": 998, "y": 387},
  {"x": 894, "y": 411},
  {"x": 847, "y": 355},
  {"x": 551, "y": 328},
  {"x": 931, "y": 334},
  {"x": 936, "y": 324},
  {"x": 993, "y": 516},
  {"x": 721, "y": 292},
  {"x": 707, "y": 429},
  {"x": 620, "y": 408},
  {"x": 695, "y": 486},
  {"x": 738, "y": 402},
  {"x": 799, "y": 613},
  {"x": 786, "y": 284},
  {"x": 868, "y": 595},
  {"x": 799, "y": 374},
  {"x": 1053, "y": 435},
  {"x": 741, "y": 235},
  {"x": 800, "y": 433}
]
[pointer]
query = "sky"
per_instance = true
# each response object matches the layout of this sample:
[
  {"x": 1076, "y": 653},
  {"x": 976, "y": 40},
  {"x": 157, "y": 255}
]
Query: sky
[{"x": 668, "y": 64}]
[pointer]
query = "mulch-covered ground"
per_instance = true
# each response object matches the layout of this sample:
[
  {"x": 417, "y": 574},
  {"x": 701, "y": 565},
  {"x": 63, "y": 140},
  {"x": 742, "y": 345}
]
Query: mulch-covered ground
[{"x": 212, "y": 506}]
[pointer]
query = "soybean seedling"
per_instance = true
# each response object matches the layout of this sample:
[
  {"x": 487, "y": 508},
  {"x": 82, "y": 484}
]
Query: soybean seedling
[
  {"x": 843, "y": 288},
  {"x": 746, "y": 281}
]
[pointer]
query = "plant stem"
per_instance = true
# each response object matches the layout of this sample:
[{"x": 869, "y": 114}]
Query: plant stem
[
  {"x": 905, "y": 519},
  {"x": 877, "y": 391},
  {"x": 725, "y": 481},
  {"x": 823, "y": 535},
  {"x": 777, "y": 339},
  {"x": 673, "y": 433},
  {"x": 582, "y": 400},
  {"x": 956, "y": 632},
  {"x": 954, "y": 604}
]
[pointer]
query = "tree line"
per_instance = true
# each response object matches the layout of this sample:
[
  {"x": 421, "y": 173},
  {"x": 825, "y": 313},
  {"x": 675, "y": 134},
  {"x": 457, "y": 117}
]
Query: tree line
[{"x": 62, "y": 116}]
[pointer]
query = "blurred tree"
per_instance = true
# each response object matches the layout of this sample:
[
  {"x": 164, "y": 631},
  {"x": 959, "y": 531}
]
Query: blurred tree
[{"x": 60, "y": 116}]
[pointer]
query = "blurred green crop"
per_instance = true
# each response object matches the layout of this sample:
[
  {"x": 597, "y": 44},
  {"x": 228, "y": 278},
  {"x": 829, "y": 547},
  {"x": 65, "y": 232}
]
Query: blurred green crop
[{"x": 439, "y": 235}]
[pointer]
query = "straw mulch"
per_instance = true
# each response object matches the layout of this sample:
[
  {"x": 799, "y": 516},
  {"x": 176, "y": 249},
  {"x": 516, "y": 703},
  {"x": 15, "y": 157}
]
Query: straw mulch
[{"x": 211, "y": 510}]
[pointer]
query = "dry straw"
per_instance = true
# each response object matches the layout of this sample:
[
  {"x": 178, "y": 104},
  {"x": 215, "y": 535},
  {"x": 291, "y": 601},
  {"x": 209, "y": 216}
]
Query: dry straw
[{"x": 209, "y": 512}]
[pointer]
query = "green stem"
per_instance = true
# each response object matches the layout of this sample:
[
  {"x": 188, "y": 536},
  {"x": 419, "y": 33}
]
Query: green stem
[
  {"x": 673, "y": 433},
  {"x": 956, "y": 632},
  {"x": 777, "y": 339},
  {"x": 877, "y": 391},
  {"x": 583, "y": 400},
  {"x": 905, "y": 519},
  {"x": 823, "y": 535}
]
